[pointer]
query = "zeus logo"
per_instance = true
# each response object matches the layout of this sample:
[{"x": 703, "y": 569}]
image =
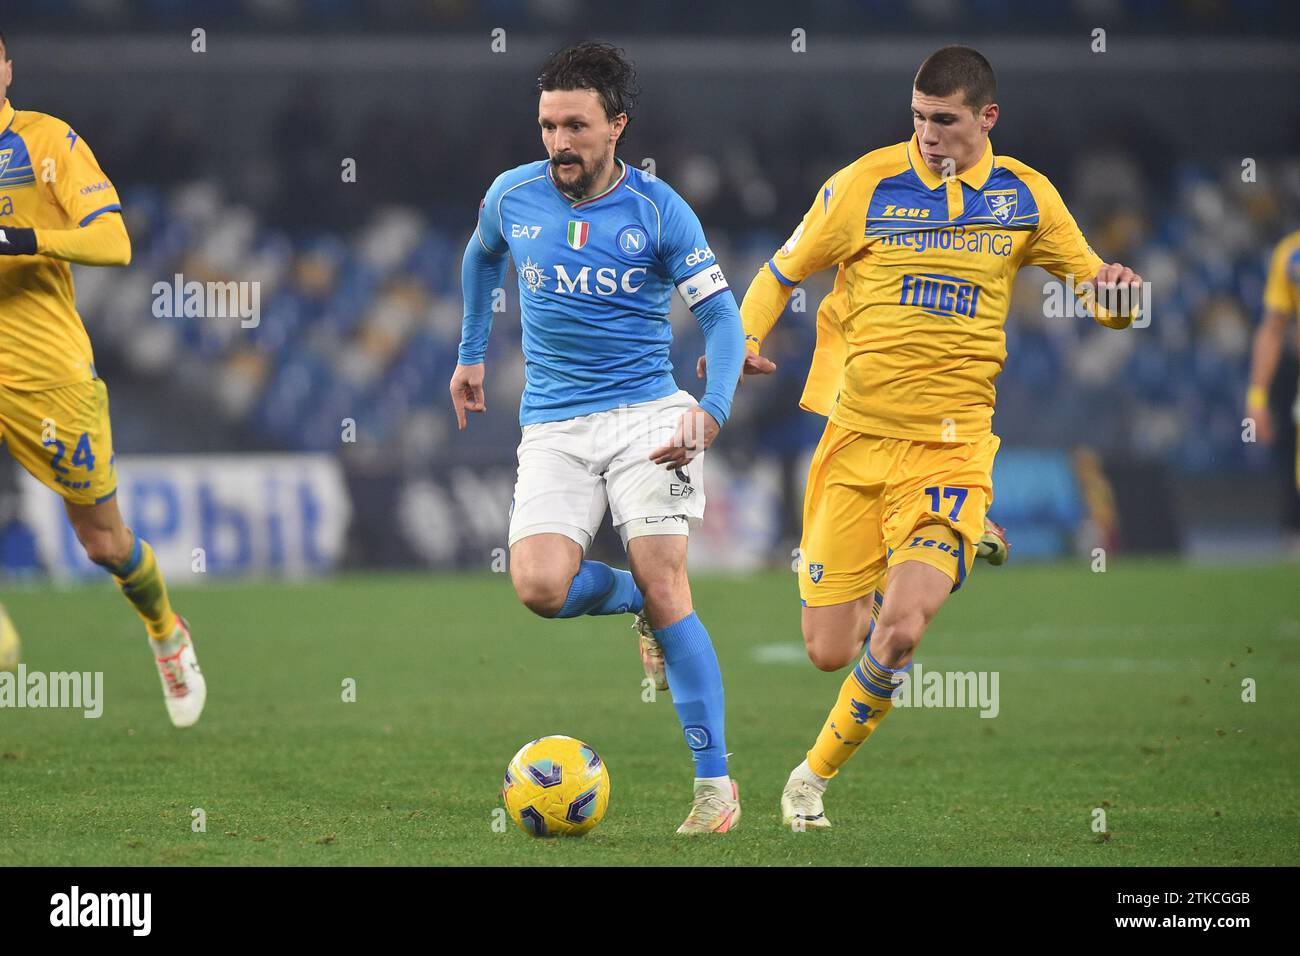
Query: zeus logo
[
  {"x": 904, "y": 212},
  {"x": 940, "y": 295},
  {"x": 608, "y": 281}
]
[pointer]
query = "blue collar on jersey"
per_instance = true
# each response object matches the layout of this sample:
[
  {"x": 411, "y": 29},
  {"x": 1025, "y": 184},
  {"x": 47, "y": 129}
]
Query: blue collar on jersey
[{"x": 622, "y": 176}]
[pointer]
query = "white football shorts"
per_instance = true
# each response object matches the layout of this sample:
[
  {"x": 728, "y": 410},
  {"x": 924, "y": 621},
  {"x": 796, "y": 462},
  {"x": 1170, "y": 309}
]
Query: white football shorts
[{"x": 569, "y": 471}]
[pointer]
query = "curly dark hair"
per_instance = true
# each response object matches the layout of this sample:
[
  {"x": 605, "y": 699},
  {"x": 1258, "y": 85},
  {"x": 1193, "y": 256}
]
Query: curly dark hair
[{"x": 602, "y": 67}]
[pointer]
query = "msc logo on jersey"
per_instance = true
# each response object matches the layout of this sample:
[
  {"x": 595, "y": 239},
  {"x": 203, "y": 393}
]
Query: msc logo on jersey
[
  {"x": 1001, "y": 203},
  {"x": 578, "y": 233},
  {"x": 632, "y": 240},
  {"x": 607, "y": 281},
  {"x": 940, "y": 295},
  {"x": 533, "y": 275}
]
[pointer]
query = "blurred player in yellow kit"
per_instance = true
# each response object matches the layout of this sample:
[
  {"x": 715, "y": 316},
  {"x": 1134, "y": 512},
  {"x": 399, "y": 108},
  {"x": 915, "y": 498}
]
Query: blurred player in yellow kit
[
  {"x": 1281, "y": 307},
  {"x": 57, "y": 206},
  {"x": 927, "y": 236}
]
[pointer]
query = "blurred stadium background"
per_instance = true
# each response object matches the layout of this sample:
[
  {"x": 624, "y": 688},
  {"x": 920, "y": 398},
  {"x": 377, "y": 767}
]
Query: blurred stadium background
[{"x": 229, "y": 162}]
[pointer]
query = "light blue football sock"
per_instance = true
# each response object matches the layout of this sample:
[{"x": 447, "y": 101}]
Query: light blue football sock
[
  {"x": 696, "y": 682},
  {"x": 599, "y": 589}
]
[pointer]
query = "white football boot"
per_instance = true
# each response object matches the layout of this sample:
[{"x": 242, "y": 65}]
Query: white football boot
[
  {"x": 714, "y": 810},
  {"x": 184, "y": 690},
  {"x": 652, "y": 655},
  {"x": 801, "y": 806}
]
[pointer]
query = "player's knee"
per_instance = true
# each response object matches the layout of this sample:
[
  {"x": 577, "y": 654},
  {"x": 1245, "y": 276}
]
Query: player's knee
[
  {"x": 829, "y": 658},
  {"x": 103, "y": 547},
  {"x": 541, "y": 592},
  {"x": 667, "y": 595},
  {"x": 895, "y": 640},
  {"x": 828, "y": 649}
]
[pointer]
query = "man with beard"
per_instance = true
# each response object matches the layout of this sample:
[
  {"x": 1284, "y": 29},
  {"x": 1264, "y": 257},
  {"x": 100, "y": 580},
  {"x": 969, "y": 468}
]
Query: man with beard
[{"x": 599, "y": 247}]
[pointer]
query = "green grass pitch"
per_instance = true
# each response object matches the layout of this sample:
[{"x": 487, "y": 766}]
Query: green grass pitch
[{"x": 1120, "y": 690}]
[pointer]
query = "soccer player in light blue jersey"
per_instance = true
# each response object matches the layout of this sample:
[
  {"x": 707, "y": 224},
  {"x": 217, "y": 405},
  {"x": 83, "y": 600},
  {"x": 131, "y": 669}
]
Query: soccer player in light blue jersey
[{"x": 600, "y": 247}]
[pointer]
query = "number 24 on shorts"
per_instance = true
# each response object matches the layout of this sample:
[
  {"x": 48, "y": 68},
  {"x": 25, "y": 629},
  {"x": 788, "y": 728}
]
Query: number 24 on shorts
[
  {"x": 959, "y": 494},
  {"x": 82, "y": 456}
]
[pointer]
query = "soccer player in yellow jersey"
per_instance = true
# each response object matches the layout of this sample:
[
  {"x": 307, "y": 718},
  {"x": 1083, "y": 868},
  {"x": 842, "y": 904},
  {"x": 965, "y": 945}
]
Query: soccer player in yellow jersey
[
  {"x": 927, "y": 237},
  {"x": 57, "y": 206},
  {"x": 1281, "y": 306}
]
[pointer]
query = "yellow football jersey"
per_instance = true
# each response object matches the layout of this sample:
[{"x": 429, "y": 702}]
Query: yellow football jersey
[
  {"x": 49, "y": 179},
  {"x": 1282, "y": 288},
  {"x": 910, "y": 341}
]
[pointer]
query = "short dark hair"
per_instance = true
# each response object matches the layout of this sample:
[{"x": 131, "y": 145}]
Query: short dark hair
[
  {"x": 953, "y": 68},
  {"x": 594, "y": 66}
]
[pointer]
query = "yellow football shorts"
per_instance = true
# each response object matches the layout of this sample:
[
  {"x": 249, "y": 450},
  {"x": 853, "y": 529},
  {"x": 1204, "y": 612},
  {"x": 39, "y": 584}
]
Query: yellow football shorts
[
  {"x": 876, "y": 502},
  {"x": 62, "y": 437}
]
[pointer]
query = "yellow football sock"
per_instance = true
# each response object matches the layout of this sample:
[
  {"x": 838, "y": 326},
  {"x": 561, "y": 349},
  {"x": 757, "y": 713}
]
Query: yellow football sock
[
  {"x": 142, "y": 584},
  {"x": 866, "y": 698}
]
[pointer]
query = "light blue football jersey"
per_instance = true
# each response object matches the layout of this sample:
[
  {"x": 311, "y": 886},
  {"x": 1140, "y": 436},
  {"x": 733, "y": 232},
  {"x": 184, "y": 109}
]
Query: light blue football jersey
[{"x": 596, "y": 279}]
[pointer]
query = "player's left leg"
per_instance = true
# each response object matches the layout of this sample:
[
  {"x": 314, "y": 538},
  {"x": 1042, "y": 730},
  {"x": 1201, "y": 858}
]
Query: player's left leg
[
  {"x": 63, "y": 438},
  {"x": 109, "y": 543},
  {"x": 659, "y": 565},
  {"x": 939, "y": 499}
]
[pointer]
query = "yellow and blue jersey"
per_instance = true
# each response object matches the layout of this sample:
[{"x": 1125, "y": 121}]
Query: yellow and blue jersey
[
  {"x": 49, "y": 179},
  {"x": 1282, "y": 288},
  {"x": 911, "y": 340}
]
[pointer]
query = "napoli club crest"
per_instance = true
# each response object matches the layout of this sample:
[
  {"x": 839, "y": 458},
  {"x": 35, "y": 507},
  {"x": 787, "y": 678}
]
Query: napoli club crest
[{"x": 815, "y": 572}]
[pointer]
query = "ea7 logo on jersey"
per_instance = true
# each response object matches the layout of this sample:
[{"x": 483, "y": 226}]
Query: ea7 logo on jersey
[
  {"x": 520, "y": 231},
  {"x": 1001, "y": 203}
]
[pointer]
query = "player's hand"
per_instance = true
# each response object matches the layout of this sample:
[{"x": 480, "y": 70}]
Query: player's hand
[
  {"x": 16, "y": 241},
  {"x": 755, "y": 364},
  {"x": 467, "y": 391},
  {"x": 1109, "y": 283},
  {"x": 695, "y": 432}
]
